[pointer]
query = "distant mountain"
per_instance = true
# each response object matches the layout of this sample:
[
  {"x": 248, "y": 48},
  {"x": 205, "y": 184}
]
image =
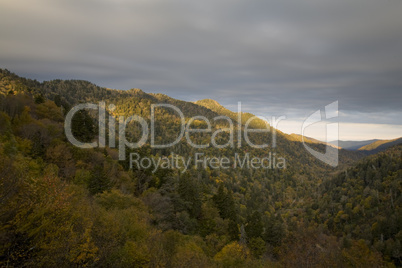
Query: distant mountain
[
  {"x": 380, "y": 145},
  {"x": 353, "y": 145},
  {"x": 299, "y": 138},
  {"x": 368, "y": 146}
]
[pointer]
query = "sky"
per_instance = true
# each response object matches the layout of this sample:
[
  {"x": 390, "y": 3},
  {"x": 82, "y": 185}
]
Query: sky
[{"x": 286, "y": 57}]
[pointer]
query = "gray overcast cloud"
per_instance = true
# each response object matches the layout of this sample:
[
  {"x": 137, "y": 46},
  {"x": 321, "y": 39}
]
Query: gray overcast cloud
[{"x": 278, "y": 57}]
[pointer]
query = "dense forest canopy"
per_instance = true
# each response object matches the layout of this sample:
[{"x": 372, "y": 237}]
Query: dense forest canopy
[{"x": 67, "y": 206}]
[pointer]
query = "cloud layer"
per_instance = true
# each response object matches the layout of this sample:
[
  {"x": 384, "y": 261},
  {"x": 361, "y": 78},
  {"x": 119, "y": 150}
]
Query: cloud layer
[{"x": 277, "y": 57}]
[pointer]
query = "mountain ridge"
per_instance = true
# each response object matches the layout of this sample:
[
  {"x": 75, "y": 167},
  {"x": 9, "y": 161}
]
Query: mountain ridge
[
  {"x": 122, "y": 215},
  {"x": 353, "y": 145},
  {"x": 136, "y": 101},
  {"x": 368, "y": 146},
  {"x": 380, "y": 145}
]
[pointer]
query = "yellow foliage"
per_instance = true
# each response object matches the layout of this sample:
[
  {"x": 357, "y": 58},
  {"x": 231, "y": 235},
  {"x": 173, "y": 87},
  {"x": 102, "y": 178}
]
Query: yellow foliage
[{"x": 232, "y": 255}]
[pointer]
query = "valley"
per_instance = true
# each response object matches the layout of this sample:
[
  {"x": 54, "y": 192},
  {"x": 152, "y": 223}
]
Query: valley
[{"x": 220, "y": 200}]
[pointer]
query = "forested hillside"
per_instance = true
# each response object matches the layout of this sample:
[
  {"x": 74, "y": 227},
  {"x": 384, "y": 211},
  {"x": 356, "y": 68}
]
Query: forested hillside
[
  {"x": 380, "y": 145},
  {"x": 365, "y": 202},
  {"x": 65, "y": 206}
]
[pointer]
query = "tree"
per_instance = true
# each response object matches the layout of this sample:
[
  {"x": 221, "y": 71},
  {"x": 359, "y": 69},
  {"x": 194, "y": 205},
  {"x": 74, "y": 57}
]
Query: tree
[
  {"x": 254, "y": 226},
  {"x": 274, "y": 230},
  {"x": 224, "y": 201},
  {"x": 359, "y": 255},
  {"x": 189, "y": 193},
  {"x": 39, "y": 99},
  {"x": 83, "y": 127},
  {"x": 99, "y": 182},
  {"x": 232, "y": 255},
  {"x": 257, "y": 246}
]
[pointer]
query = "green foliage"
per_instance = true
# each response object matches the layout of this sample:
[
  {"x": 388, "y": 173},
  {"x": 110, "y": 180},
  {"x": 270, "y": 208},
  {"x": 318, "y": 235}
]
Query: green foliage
[
  {"x": 254, "y": 225},
  {"x": 117, "y": 200},
  {"x": 232, "y": 255},
  {"x": 224, "y": 201},
  {"x": 189, "y": 193},
  {"x": 274, "y": 230},
  {"x": 257, "y": 246},
  {"x": 83, "y": 126},
  {"x": 71, "y": 207},
  {"x": 39, "y": 99},
  {"x": 366, "y": 202},
  {"x": 359, "y": 255}
]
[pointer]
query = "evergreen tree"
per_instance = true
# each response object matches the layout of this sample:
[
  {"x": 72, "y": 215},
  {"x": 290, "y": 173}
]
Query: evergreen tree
[
  {"x": 83, "y": 126},
  {"x": 254, "y": 226}
]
